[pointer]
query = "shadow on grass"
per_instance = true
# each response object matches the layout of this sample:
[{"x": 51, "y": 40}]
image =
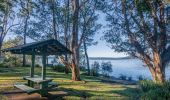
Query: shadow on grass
[{"x": 131, "y": 93}]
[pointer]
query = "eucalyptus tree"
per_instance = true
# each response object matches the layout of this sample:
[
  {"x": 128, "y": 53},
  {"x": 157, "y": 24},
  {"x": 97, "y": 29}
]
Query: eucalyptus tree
[
  {"x": 6, "y": 18},
  {"x": 138, "y": 27},
  {"x": 88, "y": 27},
  {"x": 25, "y": 8},
  {"x": 65, "y": 21}
]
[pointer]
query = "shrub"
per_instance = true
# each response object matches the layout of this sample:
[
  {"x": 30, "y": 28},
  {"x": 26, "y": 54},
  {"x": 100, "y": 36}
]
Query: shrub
[
  {"x": 140, "y": 77},
  {"x": 106, "y": 68},
  {"x": 27, "y": 65},
  {"x": 59, "y": 68},
  {"x": 122, "y": 77},
  {"x": 129, "y": 78},
  {"x": 12, "y": 62},
  {"x": 95, "y": 68},
  {"x": 154, "y": 91},
  {"x": 37, "y": 65}
]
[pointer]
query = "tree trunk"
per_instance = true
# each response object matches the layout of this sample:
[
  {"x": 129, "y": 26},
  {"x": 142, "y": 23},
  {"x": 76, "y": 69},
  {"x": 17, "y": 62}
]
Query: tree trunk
[
  {"x": 25, "y": 33},
  {"x": 87, "y": 58},
  {"x": 54, "y": 19},
  {"x": 75, "y": 72},
  {"x": 74, "y": 42},
  {"x": 159, "y": 68},
  {"x": 1, "y": 41},
  {"x": 66, "y": 26}
]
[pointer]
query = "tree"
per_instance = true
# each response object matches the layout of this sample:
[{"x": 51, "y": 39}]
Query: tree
[
  {"x": 106, "y": 68},
  {"x": 12, "y": 59},
  {"x": 88, "y": 27},
  {"x": 95, "y": 68},
  {"x": 138, "y": 28},
  {"x": 6, "y": 19},
  {"x": 25, "y": 19},
  {"x": 74, "y": 41}
]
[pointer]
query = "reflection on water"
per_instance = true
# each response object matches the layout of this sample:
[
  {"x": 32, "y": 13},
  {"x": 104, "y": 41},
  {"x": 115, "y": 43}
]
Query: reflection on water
[{"x": 131, "y": 68}]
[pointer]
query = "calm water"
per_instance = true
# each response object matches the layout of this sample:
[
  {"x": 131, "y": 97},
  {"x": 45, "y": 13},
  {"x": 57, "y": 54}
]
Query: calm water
[{"x": 131, "y": 68}]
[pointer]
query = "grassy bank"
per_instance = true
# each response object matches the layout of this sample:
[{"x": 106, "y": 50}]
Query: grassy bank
[{"x": 89, "y": 88}]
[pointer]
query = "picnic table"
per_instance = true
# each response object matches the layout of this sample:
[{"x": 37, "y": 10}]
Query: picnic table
[
  {"x": 44, "y": 49},
  {"x": 44, "y": 84}
]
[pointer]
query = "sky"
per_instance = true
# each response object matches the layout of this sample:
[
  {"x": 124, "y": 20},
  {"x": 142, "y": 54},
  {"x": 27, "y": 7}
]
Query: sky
[{"x": 102, "y": 49}]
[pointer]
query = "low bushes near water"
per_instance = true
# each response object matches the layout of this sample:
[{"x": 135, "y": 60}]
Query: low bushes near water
[
  {"x": 95, "y": 69},
  {"x": 154, "y": 91},
  {"x": 59, "y": 68},
  {"x": 106, "y": 68},
  {"x": 122, "y": 77}
]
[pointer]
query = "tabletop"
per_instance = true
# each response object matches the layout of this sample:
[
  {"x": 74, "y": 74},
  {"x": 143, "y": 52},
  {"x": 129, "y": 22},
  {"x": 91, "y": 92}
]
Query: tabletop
[{"x": 37, "y": 79}]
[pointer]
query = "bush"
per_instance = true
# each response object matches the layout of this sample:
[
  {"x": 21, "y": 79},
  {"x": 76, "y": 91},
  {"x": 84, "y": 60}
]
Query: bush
[
  {"x": 140, "y": 78},
  {"x": 95, "y": 69},
  {"x": 59, "y": 68},
  {"x": 12, "y": 62},
  {"x": 129, "y": 78},
  {"x": 2, "y": 65},
  {"x": 37, "y": 65},
  {"x": 27, "y": 65},
  {"x": 154, "y": 91},
  {"x": 106, "y": 68},
  {"x": 122, "y": 77}
]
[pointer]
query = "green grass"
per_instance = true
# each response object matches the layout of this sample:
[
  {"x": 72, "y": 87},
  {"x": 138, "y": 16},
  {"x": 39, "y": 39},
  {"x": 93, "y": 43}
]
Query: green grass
[{"x": 91, "y": 88}]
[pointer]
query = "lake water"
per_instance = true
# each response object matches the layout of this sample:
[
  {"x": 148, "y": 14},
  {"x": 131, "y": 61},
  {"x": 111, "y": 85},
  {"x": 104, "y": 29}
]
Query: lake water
[{"x": 131, "y": 68}]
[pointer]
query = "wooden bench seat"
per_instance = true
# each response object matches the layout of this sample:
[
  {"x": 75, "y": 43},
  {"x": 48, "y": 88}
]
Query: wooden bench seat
[{"x": 26, "y": 88}]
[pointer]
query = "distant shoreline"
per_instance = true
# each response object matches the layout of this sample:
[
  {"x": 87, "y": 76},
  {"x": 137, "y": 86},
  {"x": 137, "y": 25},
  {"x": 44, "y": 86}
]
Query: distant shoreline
[{"x": 109, "y": 58}]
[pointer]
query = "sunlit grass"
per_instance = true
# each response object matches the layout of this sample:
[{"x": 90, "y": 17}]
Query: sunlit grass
[{"x": 89, "y": 87}]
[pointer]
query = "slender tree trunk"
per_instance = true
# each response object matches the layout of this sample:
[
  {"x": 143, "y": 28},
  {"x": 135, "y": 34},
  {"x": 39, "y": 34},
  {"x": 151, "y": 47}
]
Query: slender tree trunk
[
  {"x": 0, "y": 48},
  {"x": 74, "y": 42},
  {"x": 25, "y": 33},
  {"x": 54, "y": 19},
  {"x": 66, "y": 26},
  {"x": 87, "y": 58}
]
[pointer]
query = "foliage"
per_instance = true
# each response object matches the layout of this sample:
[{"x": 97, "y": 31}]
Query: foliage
[
  {"x": 140, "y": 77},
  {"x": 106, "y": 68},
  {"x": 154, "y": 91},
  {"x": 37, "y": 65},
  {"x": 95, "y": 67},
  {"x": 123, "y": 77},
  {"x": 129, "y": 78},
  {"x": 59, "y": 68},
  {"x": 134, "y": 28},
  {"x": 11, "y": 60}
]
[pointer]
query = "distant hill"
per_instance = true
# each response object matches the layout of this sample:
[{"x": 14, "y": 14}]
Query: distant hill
[{"x": 109, "y": 58}]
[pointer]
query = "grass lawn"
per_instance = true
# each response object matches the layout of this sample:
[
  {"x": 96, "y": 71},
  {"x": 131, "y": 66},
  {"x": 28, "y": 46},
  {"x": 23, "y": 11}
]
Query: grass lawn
[{"x": 91, "y": 88}]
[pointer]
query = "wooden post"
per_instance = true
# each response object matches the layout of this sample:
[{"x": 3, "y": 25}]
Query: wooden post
[
  {"x": 43, "y": 87},
  {"x": 32, "y": 70},
  {"x": 33, "y": 65},
  {"x": 44, "y": 66}
]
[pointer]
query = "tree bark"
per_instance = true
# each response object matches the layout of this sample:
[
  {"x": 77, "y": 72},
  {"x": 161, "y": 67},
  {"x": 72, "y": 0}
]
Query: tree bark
[
  {"x": 25, "y": 28},
  {"x": 74, "y": 42},
  {"x": 66, "y": 26},
  {"x": 87, "y": 58},
  {"x": 25, "y": 33},
  {"x": 54, "y": 19},
  {"x": 159, "y": 68}
]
